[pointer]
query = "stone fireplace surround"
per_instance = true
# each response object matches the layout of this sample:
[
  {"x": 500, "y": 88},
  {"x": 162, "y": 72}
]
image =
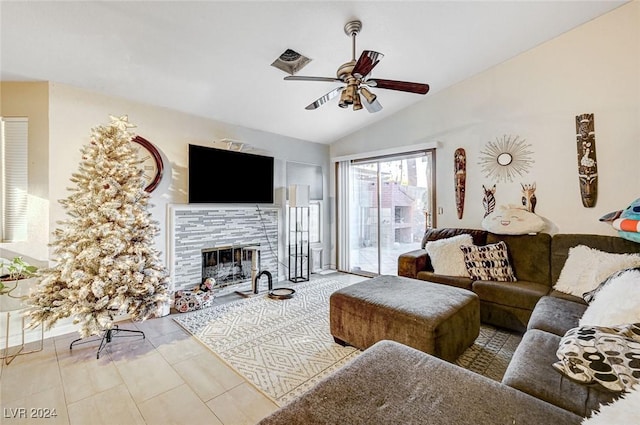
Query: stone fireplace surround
[{"x": 193, "y": 228}]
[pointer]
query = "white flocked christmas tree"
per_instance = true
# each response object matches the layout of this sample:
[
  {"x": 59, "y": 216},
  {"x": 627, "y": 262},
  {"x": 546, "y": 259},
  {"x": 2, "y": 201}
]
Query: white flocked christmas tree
[{"x": 105, "y": 263}]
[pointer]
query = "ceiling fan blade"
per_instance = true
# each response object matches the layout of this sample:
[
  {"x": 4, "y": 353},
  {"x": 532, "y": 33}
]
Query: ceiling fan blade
[
  {"x": 366, "y": 62},
  {"x": 417, "y": 88},
  {"x": 301, "y": 78},
  {"x": 324, "y": 99},
  {"x": 372, "y": 107}
]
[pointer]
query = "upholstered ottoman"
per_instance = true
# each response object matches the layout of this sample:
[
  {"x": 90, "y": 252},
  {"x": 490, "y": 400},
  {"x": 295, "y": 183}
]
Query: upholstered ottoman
[{"x": 436, "y": 319}]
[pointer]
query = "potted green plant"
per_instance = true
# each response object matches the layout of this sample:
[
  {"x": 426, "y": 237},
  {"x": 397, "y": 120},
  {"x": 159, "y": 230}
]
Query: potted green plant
[{"x": 14, "y": 271}]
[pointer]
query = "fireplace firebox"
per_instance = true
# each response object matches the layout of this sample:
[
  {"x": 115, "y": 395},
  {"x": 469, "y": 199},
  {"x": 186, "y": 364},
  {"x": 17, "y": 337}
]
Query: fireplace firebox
[{"x": 229, "y": 265}]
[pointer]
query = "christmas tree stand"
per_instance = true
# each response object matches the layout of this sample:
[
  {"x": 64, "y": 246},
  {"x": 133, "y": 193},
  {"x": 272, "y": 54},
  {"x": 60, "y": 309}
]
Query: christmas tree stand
[{"x": 107, "y": 336}]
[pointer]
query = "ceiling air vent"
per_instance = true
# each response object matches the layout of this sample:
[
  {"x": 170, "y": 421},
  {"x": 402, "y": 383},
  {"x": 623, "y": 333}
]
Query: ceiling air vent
[{"x": 291, "y": 62}]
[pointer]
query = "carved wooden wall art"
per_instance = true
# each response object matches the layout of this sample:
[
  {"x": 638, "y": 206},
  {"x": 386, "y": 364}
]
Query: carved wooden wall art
[
  {"x": 460, "y": 177},
  {"x": 505, "y": 158},
  {"x": 587, "y": 164},
  {"x": 489, "y": 199},
  {"x": 529, "y": 199}
]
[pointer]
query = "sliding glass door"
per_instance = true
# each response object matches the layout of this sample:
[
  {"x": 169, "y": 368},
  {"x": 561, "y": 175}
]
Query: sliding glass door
[{"x": 390, "y": 203}]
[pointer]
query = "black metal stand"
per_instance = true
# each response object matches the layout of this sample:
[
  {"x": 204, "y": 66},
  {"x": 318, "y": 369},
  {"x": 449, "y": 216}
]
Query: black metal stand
[
  {"x": 277, "y": 293},
  {"x": 106, "y": 338}
]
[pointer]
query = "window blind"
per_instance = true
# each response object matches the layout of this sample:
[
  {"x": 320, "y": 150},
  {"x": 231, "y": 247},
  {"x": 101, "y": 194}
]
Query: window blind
[{"x": 13, "y": 178}]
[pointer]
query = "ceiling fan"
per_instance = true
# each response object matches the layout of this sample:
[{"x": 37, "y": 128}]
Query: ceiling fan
[{"x": 355, "y": 76}]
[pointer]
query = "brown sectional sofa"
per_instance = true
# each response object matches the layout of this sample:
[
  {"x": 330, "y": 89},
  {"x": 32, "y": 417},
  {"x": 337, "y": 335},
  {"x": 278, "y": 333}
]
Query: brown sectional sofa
[
  {"x": 530, "y": 305},
  {"x": 537, "y": 261},
  {"x": 393, "y": 383}
]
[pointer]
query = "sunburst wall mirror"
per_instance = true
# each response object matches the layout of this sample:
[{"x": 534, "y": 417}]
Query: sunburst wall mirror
[{"x": 505, "y": 158}]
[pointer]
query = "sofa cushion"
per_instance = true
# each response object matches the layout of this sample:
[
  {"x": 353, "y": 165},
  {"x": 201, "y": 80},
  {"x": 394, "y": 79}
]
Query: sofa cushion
[
  {"x": 528, "y": 254},
  {"x": 521, "y": 294},
  {"x": 489, "y": 262},
  {"x": 458, "y": 281},
  {"x": 556, "y": 315},
  {"x": 568, "y": 297},
  {"x": 394, "y": 384},
  {"x": 531, "y": 371}
]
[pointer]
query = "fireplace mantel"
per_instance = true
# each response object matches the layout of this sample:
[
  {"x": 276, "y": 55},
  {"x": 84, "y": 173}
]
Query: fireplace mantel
[{"x": 194, "y": 227}]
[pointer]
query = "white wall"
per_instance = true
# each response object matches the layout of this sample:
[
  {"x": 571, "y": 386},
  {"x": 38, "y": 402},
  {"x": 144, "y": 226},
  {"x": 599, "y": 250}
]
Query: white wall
[{"x": 592, "y": 69}]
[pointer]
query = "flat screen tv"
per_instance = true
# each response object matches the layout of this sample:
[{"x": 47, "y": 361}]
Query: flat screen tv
[{"x": 223, "y": 176}]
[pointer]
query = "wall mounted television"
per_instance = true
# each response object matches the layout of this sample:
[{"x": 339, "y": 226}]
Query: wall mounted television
[{"x": 222, "y": 176}]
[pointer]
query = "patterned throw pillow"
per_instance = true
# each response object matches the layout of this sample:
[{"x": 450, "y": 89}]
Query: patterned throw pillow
[
  {"x": 608, "y": 356},
  {"x": 488, "y": 262}
]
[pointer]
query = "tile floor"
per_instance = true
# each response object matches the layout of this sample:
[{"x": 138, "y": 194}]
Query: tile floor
[{"x": 166, "y": 378}]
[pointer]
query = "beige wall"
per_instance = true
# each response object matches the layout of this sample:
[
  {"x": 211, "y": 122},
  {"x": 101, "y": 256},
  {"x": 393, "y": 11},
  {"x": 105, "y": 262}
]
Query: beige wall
[
  {"x": 74, "y": 112},
  {"x": 592, "y": 69},
  {"x": 60, "y": 121},
  {"x": 32, "y": 100}
]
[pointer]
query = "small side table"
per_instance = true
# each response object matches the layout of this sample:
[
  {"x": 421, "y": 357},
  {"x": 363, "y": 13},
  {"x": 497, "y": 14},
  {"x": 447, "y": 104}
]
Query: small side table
[{"x": 11, "y": 305}]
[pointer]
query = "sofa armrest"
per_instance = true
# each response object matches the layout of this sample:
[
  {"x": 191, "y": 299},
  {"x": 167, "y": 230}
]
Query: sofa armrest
[{"x": 412, "y": 262}]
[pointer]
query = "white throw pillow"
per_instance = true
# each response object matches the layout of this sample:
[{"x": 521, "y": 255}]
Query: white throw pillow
[
  {"x": 617, "y": 303},
  {"x": 446, "y": 256},
  {"x": 586, "y": 268},
  {"x": 622, "y": 411}
]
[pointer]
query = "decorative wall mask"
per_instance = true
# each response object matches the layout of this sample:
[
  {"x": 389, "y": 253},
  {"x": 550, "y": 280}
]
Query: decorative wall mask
[
  {"x": 489, "y": 200},
  {"x": 505, "y": 158},
  {"x": 587, "y": 165},
  {"x": 529, "y": 199},
  {"x": 460, "y": 177}
]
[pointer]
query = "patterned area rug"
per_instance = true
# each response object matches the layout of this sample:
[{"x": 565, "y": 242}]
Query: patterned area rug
[
  {"x": 491, "y": 352},
  {"x": 284, "y": 346}
]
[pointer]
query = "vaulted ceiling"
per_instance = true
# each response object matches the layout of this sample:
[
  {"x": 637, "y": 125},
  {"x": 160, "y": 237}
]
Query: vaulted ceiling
[{"x": 213, "y": 59}]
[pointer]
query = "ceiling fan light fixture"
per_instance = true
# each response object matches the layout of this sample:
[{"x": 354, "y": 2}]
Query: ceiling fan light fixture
[
  {"x": 368, "y": 96},
  {"x": 357, "y": 103},
  {"x": 343, "y": 100},
  {"x": 356, "y": 73}
]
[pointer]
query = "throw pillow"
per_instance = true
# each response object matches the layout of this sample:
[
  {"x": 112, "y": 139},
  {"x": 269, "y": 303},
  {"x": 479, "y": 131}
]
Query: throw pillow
[
  {"x": 489, "y": 262},
  {"x": 587, "y": 267},
  {"x": 617, "y": 302},
  {"x": 588, "y": 297},
  {"x": 622, "y": 411},
  {"x": 446, "y": 257},
  {"x": 606, "y": 356},
  {"x": 512, "y": 220}
]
